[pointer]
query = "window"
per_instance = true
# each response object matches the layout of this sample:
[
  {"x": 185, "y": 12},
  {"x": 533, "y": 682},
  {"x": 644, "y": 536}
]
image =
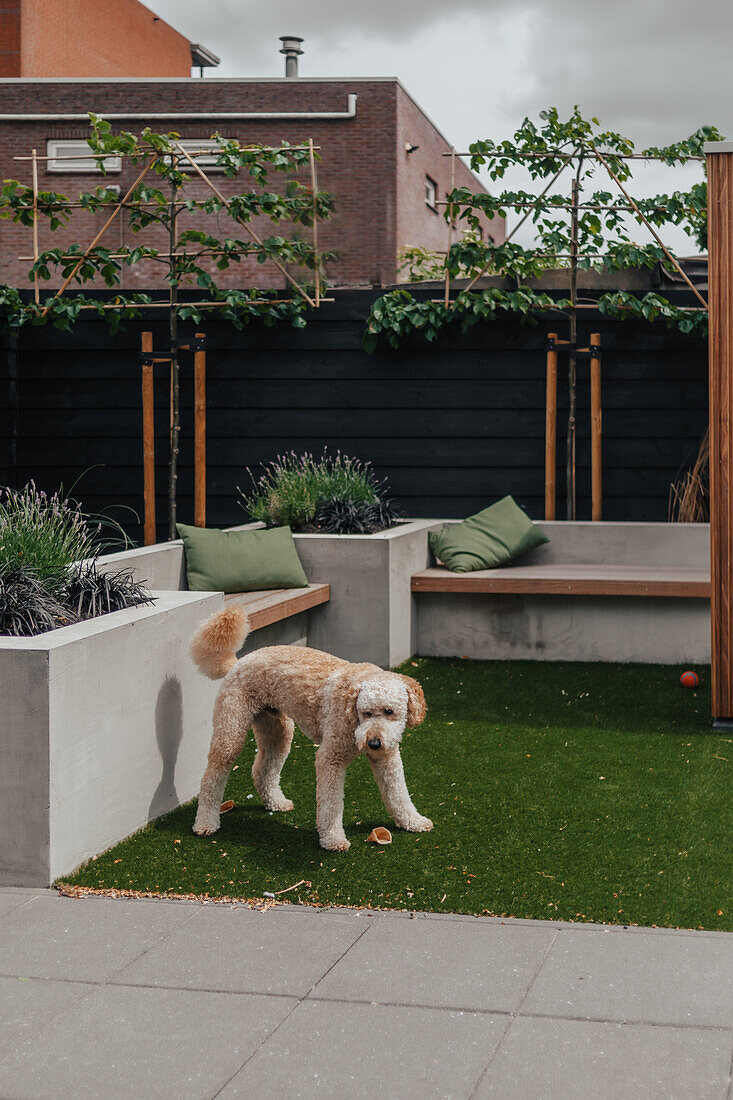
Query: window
[
  {"x": 431, "y": 188},
  {"x": 198, "y": 145},
  {"x": 76, "y": 156}
]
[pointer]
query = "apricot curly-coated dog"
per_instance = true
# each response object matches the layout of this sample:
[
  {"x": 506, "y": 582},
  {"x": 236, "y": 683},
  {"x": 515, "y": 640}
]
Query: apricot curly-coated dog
[{"x": 346, "y": 709}]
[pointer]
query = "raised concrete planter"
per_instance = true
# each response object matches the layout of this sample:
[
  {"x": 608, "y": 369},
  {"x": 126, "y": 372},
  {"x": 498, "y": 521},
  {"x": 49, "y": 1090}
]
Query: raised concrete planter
[
  {"x": 580, "y": 628},
  {"x": 105, "y": 726},
  {"x": 371, "y": 615}
]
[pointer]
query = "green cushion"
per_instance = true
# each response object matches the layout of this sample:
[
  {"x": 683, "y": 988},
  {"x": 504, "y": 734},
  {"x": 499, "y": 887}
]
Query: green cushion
[
  {"x": 490, "y": 538},
  {"x": 241, "y": 561}
]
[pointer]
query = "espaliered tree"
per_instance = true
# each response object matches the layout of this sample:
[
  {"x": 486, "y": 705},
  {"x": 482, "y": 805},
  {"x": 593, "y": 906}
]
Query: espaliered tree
[
  {"x": 587, "y": 228},
  {"x": 159, "y": 200}
]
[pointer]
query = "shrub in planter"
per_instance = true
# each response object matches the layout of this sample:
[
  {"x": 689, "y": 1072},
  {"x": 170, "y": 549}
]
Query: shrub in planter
[
  {"x": 48, "y": 572},
  {"x": 329, "y": 494},
  {"x": 27, "y": 607},
  {"x": 89, "y": 593}
]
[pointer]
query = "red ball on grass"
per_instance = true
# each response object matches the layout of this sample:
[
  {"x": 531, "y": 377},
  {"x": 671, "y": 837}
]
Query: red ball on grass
[{"x": 689, "y": 679}]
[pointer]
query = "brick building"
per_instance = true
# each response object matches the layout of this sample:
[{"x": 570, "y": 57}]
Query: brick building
[{"x": 381, "y": 157}]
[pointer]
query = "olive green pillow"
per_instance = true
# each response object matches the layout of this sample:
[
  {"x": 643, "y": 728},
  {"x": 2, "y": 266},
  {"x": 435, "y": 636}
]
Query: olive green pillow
[
  {"x": 490, "y": 538},
  {"x": 241, "y": 561}
]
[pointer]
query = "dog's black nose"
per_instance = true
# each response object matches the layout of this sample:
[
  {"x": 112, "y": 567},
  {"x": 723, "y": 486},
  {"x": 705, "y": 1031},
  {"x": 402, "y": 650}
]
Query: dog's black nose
[{"x": 374, "y": 743}]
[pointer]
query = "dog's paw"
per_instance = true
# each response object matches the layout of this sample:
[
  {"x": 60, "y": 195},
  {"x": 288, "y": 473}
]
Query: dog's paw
[
  {"x": 335, "y": 843},
  {"x": 281, "y": 805},
  {"x": 418, "y": 824},
  {"x": 204, "y": 828}
]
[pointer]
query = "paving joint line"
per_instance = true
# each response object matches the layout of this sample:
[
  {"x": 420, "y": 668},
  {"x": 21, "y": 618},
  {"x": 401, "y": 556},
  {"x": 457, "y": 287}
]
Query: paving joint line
[
  {"x": 513, "y": 1015},
  {"x": 287, "y": 1016}
]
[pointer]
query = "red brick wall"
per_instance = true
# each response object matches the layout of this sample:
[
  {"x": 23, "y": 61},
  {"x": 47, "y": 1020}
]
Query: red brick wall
[
  {"x": 98, "y": 38},
  {"x": 418, "y": 223},
  {"x": 362, "y": 163},
  {"x": 9, "y": 38}
]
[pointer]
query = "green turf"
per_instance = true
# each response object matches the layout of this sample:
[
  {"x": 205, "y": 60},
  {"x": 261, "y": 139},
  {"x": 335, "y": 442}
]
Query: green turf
[{"x": 565, "y": 791}]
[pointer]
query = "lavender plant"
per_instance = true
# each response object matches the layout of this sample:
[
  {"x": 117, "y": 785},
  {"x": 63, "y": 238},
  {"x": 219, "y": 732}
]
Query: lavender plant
[
  {"x": 332, "y": 493},
  {"x": 42, "y": 534}
]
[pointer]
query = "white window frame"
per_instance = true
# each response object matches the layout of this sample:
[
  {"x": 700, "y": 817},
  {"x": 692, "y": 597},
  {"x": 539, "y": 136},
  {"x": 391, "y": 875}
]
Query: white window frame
[
  {"x": 195, "y": 145},
  {"x": 68, "y": 155},
  {"x": 431, "y": 188}
]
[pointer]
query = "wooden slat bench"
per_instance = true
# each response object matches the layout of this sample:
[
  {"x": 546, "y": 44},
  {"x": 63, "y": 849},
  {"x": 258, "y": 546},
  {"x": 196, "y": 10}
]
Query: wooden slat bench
[
  {"x": 569, "y": 580},
  {"x": 267, "y": 607}
]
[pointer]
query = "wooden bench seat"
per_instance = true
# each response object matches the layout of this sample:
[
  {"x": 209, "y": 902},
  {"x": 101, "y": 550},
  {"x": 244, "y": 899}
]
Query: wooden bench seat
[
  {"x": 267, "y": 607},
  {"x": 569, "y": 580}
]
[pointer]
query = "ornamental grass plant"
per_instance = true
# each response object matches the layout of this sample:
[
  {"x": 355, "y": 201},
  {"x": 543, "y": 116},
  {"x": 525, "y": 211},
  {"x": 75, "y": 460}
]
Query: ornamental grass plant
[
  {"x": 333, "y": 493},
  {"x": 49, "y": 576},
  {"x": 42, "y": 534}
]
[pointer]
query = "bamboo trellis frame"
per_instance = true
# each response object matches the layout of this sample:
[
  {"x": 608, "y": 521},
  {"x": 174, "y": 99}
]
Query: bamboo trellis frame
[
  {"x": 173, "y": 305},
  {"x": 630, "y": 206}
]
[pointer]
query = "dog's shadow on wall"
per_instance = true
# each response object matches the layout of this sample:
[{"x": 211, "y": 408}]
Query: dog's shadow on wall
[{"x": 168, "y": 734}]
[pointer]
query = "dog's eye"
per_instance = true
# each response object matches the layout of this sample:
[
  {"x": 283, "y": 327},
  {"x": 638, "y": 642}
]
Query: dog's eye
[
  {"x": 367, "y": 714},
  {"x": 388, "y": 710}
]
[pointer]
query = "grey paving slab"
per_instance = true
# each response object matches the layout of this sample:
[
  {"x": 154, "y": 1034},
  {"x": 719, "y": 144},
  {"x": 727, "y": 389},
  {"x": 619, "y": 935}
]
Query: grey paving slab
[
  {"x": 278, "y": 951},
  {"x": 357, "y": 1050},
  {"x": 576, "y": 1059},
  {"x": 129, "y": 1042},
  {"x": 13, "y": 899},
  {"x": 659, "y": 979},
  {"x": 28, "y": 1004},
  {"x": 453, "y": 965},
  {"x": 56, "y": 937}
]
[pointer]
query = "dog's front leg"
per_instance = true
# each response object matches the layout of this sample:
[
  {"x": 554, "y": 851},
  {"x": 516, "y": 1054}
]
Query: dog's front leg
[
  {"x": 390, "y": 777},
  {"x": 330, "y": 778}
]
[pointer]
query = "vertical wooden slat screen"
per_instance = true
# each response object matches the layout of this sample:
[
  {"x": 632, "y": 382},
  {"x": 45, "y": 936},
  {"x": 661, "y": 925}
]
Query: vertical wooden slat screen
[{"x": 720, "y": 300}]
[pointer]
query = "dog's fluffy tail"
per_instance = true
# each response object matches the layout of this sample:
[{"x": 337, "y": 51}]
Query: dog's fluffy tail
[{"x": 217, "y": 641}]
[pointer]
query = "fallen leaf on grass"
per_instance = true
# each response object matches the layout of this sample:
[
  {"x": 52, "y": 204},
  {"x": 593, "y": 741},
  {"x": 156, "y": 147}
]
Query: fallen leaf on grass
[
  {"x": 380, "y": 835},
  {"x": 226, "y": 806}
]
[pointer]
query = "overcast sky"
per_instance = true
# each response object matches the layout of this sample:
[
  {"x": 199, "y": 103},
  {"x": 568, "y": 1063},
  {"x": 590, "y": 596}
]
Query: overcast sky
[{"x": 653, "y": 69}]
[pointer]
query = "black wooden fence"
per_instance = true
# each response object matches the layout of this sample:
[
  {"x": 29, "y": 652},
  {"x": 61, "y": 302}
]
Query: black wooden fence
[{"x": 450, "y": 425}]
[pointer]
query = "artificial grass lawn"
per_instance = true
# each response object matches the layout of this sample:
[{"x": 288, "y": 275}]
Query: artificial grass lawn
[{"x": 562, "y": 791}]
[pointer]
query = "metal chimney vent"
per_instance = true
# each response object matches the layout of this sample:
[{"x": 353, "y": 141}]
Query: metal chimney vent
[{"x": 291, "y": 49}]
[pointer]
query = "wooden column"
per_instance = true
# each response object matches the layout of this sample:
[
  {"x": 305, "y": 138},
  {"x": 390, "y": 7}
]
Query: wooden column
[
  {"x": 596, "y": 432},
  {"x": 199, "y": 489},
  {"x": 720, "y": 297},
  {"x": 148, "y": 442},
  {"x": 551, "y": 426}
]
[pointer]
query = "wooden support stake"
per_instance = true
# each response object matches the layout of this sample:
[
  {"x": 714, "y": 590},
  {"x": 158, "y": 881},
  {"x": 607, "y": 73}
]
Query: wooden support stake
[
  {"x": 314, "y": 189},
  {"x": 450, "y": 230},
  {"x": 199, "y": 491},
  {"x": 551, "y": 428},
  {"x": 596, "y": 431},
  {"x": 720, "y": 345},
  {"x": 36, "y": 289},
  {"x": 148, "y": 442}
]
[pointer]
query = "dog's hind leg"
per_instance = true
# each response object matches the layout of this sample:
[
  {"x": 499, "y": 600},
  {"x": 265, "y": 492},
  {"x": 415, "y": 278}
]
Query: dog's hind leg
[
  {"x": 274, "y": 735},
  {"x": 233, "y": 716}
]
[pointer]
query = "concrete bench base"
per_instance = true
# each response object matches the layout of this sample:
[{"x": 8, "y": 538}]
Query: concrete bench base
[
  {"x": 566, "y": 602},
  {"x": 644, "y": 630}
]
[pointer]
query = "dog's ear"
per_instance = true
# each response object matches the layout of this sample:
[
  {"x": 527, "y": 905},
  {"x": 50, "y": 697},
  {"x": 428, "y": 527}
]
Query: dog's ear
[
  {"x": 349, "y": 696},
  {"x": 416, "y": 705}
]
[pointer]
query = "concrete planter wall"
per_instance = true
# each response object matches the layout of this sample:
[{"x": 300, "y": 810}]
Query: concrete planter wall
[
  {"x": 371, "y": 615},
  {"x": 105, "y": 726},
  {"x": 644, "y": 630}
]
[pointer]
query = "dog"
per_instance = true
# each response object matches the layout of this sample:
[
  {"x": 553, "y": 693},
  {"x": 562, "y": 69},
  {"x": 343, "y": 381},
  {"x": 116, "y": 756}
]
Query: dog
[{"x": 344, "y": 708}]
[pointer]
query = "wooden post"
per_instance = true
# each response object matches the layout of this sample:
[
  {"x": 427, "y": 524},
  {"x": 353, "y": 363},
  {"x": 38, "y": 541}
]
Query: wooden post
[
  {"x": 720, "y": 344},
  {"x": 148, "y": 441},
  {"x": 199, "y": 492},
  {"x": 596, "y": 430},
  {"x": 36, "y": 290},
  {"x": 551, "y": 426}
]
